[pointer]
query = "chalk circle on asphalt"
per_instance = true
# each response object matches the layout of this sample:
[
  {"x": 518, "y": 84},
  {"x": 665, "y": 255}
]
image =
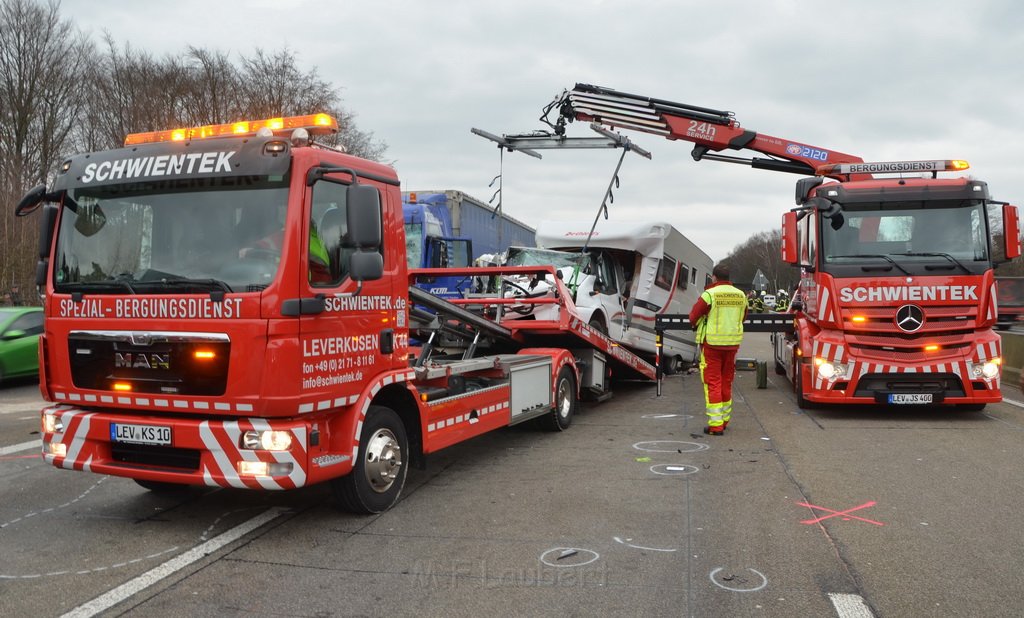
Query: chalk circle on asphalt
[
  {"x": 669, "y": 446},
  {"x": 764, "y": 581},
  {"x": 574, "y": 557},
  {"x": 657, "y": 416},
  {"x": 674, "y": 469}
]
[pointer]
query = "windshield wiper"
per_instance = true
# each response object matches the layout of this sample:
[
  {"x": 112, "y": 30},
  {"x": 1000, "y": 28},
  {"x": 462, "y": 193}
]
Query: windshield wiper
[
  {"x": 188, "y": 282},
  {"x": 937, "y": 254},
  {"x": 875, "y": 255},
  {"x": 106, "y": 284}
]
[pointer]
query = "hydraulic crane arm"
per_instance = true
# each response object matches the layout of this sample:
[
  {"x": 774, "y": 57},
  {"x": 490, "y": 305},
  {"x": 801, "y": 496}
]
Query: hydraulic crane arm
[{"x": 710, "y": 129}]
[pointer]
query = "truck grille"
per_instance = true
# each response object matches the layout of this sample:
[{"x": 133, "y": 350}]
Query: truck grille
[
  {"x": 150, "y": 362},
  {"x": 878, "y": 337}
]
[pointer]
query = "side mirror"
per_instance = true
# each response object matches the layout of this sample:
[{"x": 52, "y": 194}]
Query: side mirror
[
  {"x": 790, "y": 246},
  {"x": 30, "y": 201},
  {"x": 366, "y": 266},
  {"x": 90, "y": 220},
  {"x": 804, "y": 187},
  {"x": 364, "y": 216},
  {"x": 1011, "y": 232},
  {"x": 13, "y": 334}
]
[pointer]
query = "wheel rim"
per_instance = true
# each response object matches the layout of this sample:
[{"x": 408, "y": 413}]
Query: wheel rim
[
  {"x": 383, "y": 460},
  {"x": 564, "y": 399}
]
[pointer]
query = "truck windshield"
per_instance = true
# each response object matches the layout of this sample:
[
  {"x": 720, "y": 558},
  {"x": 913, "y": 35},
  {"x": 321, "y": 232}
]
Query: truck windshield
[
  {"x": 166, "y": 237},
  {"x": 906, "y": 238},
  {"x": 414, "y": 244}
]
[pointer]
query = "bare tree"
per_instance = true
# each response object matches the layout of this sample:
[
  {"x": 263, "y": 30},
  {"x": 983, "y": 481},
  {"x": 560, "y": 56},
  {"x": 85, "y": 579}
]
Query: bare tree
[
  {"x": 273, "y": 85},
  {"x": 214, "y": 89},
  {"x": 41, "y": 60},
  {"x": 58, "y": 95},
  {"x": 762, "y": 251}
]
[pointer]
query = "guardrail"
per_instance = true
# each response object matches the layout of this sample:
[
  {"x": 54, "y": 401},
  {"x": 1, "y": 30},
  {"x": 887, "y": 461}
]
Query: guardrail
[{"x": 1013, "y": 356}]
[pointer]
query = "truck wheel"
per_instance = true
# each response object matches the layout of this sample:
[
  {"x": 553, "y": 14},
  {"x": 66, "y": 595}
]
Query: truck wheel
[
  {"x": 798, "y": 387},
  {"x": 672, "y": 365},
  {"x": 161, "y": 487},
  {"x": 597, "y": 324},
  {"x": 780, "y": 369},
  {"x": 379, "y": 473},
  {"x": 561, "y": 415}
]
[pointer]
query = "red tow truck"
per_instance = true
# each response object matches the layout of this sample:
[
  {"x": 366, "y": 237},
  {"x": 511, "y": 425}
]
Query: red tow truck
[
  {"x": 230, "y": 306},
  {"x": 896, "y": 303}
]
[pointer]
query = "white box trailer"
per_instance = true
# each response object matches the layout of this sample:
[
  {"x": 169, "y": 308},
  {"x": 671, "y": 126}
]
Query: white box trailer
[{"x": 635, "y": 272}]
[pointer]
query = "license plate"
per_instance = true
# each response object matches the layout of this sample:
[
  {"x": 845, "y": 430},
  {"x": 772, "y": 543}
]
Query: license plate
[
  {"x": 140, "y": 434},
  {"x": 911, "y": 398}
]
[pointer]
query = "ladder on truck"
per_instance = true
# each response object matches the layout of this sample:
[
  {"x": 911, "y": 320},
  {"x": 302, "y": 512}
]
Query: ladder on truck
[{"x": 482, "y": 322}]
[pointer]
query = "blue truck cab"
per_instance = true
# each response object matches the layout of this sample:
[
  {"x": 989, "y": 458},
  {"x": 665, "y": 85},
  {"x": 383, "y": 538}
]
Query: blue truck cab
[{"x": 430, "y": 243}]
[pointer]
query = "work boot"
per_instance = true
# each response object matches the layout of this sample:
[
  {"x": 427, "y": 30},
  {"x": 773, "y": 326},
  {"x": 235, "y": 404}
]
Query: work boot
[{"x": 714, "y": 431}]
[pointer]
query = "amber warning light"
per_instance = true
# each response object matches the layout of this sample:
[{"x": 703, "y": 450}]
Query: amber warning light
[
  {"x": 893, "y": 167},
  {"x": 315, "y": 124}
]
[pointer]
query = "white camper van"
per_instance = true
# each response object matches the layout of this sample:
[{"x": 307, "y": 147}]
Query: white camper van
[{"x": 631, "y": 273}]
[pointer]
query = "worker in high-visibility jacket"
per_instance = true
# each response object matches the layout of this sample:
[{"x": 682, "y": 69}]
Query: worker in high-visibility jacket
[{"x": 718, "y": 316}]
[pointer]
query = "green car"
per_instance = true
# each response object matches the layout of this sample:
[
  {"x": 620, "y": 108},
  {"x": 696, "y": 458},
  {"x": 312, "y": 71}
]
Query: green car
[{"x": 20, "y": 328}]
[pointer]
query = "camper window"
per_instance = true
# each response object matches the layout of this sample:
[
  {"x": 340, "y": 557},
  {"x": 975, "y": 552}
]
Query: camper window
[
  {"x": 684, "y": 275},
  {"x": 666, "y": 272}
]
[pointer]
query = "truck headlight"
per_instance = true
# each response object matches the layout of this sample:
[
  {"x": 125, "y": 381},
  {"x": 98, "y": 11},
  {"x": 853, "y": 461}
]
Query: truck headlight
[
  {"x": 988, "y": 369},
  {"x": 52, "y": 423},
  {"x": 829, "y": 370},
  {"x": 267, "y": 440}
]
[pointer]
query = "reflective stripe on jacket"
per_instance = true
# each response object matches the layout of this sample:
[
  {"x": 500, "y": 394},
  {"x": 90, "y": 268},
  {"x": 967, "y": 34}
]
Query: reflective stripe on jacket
[{"x": 723, "y": 325}]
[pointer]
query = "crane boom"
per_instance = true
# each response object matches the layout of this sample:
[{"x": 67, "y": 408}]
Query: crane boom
[{"x": 711, "y": 130}]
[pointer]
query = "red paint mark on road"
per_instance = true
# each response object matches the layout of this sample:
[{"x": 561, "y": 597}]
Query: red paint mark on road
[{"x": 844, "y": 514}]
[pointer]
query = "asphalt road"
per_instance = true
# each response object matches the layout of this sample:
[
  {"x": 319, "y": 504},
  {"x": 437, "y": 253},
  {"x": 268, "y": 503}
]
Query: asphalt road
[{"x": 633, "y": 511}]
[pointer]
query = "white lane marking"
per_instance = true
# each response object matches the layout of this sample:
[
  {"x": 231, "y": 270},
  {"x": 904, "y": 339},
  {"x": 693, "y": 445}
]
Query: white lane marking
[
  {"x": 147, "y": 579},
  {"x": 1013, "y": 403},
  {"x": 24, "y": 446},
  {"x": 850, "y": 605}
]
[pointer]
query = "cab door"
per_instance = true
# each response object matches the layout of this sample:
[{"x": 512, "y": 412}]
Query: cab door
[{"x": 353, "y": 337}]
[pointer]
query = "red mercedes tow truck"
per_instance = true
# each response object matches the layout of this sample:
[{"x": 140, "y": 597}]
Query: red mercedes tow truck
[
  {"x": 897, "y": 300},
  {"x": 230, "y": 306}
]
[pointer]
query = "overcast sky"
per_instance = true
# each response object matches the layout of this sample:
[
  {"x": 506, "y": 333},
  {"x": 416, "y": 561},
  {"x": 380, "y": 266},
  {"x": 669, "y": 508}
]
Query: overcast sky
[{"x": 880, "y": 79}]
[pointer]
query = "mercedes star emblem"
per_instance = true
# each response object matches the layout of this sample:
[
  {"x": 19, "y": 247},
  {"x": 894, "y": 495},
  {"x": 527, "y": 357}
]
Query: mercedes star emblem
[{"x": 909, "y": 318}]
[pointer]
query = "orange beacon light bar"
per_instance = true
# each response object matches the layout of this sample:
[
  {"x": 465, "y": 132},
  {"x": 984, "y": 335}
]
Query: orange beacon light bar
[{"x": 315, "y": 124}]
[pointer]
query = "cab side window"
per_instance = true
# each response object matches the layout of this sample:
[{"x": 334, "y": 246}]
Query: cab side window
[
  {"x": 328, "y": 225},
  {"x": 29, "y": 323}
]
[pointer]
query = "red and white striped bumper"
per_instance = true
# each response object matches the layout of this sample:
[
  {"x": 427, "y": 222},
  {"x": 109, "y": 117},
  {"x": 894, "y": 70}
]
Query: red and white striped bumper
[{"x": 202, "y": 452}]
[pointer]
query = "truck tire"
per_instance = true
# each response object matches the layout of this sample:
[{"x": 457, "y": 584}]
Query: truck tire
[
  {"x": 597, "y": 323},
  {"x": 376, "y": 480},
  {"x": 564, "y": 409},
  {"x": 673, "y": 365},
  {"x": 780, "y": 369},
  {"x": 798, "y": 387}
]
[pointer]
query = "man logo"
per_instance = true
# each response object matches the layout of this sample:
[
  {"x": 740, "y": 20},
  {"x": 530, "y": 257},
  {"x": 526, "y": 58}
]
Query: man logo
[{"x": 909, "y": 318}]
